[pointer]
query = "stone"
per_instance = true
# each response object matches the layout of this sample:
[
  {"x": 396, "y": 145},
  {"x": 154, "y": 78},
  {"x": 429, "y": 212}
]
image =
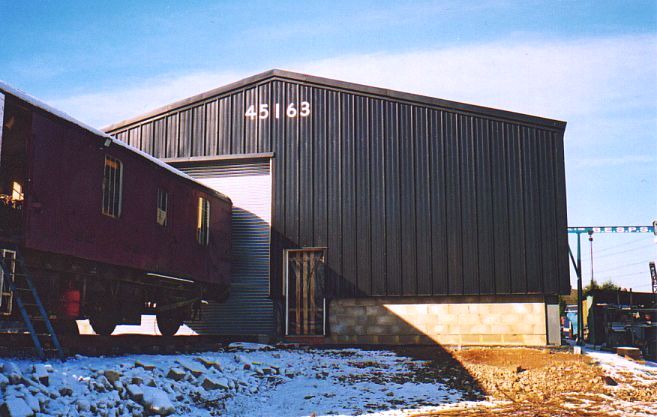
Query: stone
[
  {"x": 242, "y": 359},
  {"x": 102, "y": 380},
  {"x": 146, "y": 366},
  {"x": 120, "y": 388},
  {"x": 135, "y": 392},
  {"x": 40, "y": 374},
  {"x": 112, "y": 375},
  {"x": 13, "y": 372},
  {"x": 83, "y": 405},
  {"x": 190, "y": 367},
  {"x": 157, "y": 401},
  {"x": 43, "y": 399},
  {"x": 609, "y": 381},
  {"x": 136, "y": 380},
  {"x": 65, "y": 391},
  {"x": 209, "y": 383},
  {"x": 32, "y": 402},
  {"x": 16, "y": 407},
  {"x": 4, "y": 381},
  {"x": 204, "y": 361},
  {"x": 176, "y": 374}
]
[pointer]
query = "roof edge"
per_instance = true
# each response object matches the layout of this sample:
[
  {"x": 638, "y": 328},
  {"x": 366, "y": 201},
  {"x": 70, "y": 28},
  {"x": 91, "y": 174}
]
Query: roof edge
[
  {"x": 38, "y": 104},
  {"x": 344, "y": 85}
]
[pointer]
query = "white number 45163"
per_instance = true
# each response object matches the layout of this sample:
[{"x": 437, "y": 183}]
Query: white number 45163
[{"x": 291, "y": 111}]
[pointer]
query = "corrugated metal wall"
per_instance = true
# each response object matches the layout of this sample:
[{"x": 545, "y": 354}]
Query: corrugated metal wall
[
  {"x": 248, "y": 309},
  {"x": 409, "y": 198}
]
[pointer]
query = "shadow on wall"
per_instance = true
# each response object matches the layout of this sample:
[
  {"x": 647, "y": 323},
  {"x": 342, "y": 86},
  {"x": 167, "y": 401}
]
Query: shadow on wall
[{"x": 456, "y": 321}]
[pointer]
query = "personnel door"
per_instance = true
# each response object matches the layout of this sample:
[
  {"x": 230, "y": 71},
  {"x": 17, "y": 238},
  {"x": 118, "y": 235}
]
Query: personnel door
[{"x": 304, "y": 292}]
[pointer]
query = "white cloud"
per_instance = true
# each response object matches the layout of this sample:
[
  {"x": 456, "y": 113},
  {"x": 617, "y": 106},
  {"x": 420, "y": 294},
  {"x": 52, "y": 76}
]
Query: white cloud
[
  {"x": 565, "y": 79},
  {"x": 109, "y": 106},
  {"x": 613, "y": 161},
  {"x": 559, "y": 79}
]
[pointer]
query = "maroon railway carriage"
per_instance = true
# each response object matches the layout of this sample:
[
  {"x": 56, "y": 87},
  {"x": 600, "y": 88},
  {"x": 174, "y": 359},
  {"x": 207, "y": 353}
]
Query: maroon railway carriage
[{"x": 103, "y": 223}]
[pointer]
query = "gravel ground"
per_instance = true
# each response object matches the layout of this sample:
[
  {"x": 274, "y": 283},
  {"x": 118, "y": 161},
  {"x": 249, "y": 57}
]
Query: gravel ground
[{"x": 540, "y": 382}]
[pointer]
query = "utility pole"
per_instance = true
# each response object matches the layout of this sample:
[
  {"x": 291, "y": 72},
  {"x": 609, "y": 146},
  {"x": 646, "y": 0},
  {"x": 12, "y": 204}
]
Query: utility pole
[
  {"x": 590, "y": 232},
  {"x": 577, "y": 263}
]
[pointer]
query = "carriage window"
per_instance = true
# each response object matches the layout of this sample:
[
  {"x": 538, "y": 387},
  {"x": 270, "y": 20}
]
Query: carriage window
[
  {"x": 112, "y": 187},
  {"x": 17, "y": 192},
  {"x": 162, "y": 203},
  {"x": 203, "y": 222}
]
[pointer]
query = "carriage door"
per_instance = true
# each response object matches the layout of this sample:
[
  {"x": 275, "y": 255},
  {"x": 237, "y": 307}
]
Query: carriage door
[{"x": 304, "y": 292}]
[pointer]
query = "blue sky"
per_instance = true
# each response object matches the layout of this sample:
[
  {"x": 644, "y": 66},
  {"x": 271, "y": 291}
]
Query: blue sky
[{"x": 593, "y": 64}]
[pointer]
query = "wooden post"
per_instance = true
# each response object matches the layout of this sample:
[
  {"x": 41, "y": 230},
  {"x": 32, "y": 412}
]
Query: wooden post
[
  {"x": 297, "y": 306},
  {"x": 305, "y": 291},
  {"x": 313, "y": 306}
]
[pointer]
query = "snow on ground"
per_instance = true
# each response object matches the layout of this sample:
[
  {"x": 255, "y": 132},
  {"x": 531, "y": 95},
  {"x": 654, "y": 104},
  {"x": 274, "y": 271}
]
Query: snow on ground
[
  {"x": 242, "y": 380},
  {"x": 621, "y": 368},
  {"x": 633, "y": 383}
]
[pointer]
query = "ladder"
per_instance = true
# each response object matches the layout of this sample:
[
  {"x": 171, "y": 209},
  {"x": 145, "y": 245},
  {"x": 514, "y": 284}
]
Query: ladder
[{"x": 17, "y": 279}]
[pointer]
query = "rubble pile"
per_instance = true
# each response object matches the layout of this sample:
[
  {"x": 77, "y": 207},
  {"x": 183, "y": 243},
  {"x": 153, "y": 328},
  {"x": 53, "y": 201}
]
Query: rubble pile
[
  {"x": 135, "y": 388},
  {"x": 242, "y": 379}
]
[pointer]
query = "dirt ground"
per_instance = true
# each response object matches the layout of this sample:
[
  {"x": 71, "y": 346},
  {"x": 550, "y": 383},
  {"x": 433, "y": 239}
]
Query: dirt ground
[{"x": 538, "y": 382}]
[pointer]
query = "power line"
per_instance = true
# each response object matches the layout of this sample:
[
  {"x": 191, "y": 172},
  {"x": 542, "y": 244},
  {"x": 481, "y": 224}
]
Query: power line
[
  {"x": 622, "y": 244},
  {"x": 625, "y": 251},
  {"x": 624, "y": 266},
  {"x": 642, "y": 286},
  {"x": 629, "y": 275}
]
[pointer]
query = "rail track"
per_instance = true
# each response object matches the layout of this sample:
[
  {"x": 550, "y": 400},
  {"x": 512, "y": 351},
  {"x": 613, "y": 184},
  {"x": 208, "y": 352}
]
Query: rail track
[{"x": 19, "y": 345}]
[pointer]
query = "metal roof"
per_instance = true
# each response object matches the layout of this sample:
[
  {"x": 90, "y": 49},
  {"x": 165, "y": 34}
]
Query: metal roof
[{"x": 343, "y": 85}]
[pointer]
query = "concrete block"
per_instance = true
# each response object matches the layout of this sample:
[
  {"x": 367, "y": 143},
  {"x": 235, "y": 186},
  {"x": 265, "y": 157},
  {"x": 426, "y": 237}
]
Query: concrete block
[
  {"x": 447, "y": 339},
  {"x": 491, "y": 319},
  {"x": 522, "y": 328},
  {"x": 469, "y": 319},
  {"x": 500, "y": 329},
  {"x": 375, "y": 310},
  {"x": 375, "y": 330},
  {"x": 477, "y": 329},
  {"x": 491, "y": 339},
  {"x": 365, "y": 301},
  {"x": 448, "y": 318},
  {"x": 438, "y": 329},
  {"x": 363, "y": 339},
  {"x": 385, "y": 318},
  {"x": 471, "y": 339},
  {"x": 521, "y": 308},
  {"x": 438, "y": 309},
  {"x": 539, "y": 329},
  {"x": 409, "y": 339},
  {"x": 454, "y": 329}
]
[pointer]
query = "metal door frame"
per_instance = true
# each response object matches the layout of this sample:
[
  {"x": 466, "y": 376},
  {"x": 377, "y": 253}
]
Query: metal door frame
[{"x": 286, "y": 254}]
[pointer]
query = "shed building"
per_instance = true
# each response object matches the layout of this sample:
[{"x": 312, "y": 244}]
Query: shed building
[{"x": 365, "y": 215}]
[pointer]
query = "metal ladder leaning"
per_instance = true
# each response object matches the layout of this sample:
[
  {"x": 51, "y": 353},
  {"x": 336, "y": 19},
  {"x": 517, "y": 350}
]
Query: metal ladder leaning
[{"x": 10, "y": 277}]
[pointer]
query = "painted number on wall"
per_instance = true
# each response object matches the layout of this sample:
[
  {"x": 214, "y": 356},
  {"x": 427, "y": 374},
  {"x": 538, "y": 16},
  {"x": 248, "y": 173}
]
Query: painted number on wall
[{"x": 263, "y": 111}]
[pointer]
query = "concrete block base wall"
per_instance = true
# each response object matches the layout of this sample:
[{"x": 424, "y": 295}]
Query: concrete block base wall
[{"x": 442, "y": 320}]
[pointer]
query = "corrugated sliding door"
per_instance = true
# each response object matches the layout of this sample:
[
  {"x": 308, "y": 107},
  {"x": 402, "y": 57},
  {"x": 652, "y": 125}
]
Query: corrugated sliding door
[{"x": 248, "y": 310}]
